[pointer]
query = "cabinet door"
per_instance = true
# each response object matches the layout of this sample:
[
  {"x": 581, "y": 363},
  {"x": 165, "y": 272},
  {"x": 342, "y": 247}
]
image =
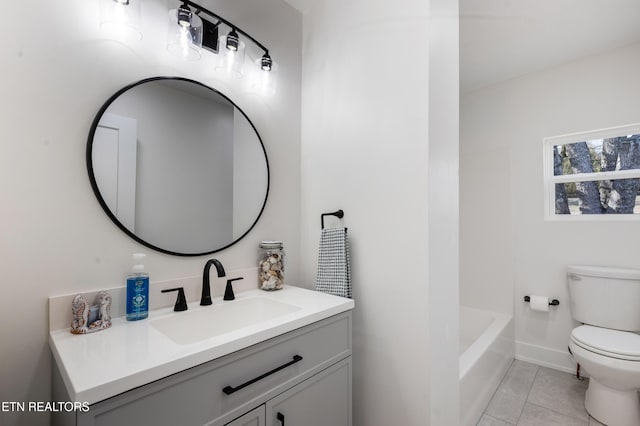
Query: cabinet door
[
  {"x": 252, "y": 418},
  {"x": 322, "y": 400}
]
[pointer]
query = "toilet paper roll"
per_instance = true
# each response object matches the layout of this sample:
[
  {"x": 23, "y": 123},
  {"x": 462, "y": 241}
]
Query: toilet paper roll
[{"x": 539, "y": 303}]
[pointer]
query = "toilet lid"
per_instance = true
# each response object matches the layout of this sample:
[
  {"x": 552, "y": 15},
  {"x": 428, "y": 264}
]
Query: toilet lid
[{"x": 613, "y": 343}]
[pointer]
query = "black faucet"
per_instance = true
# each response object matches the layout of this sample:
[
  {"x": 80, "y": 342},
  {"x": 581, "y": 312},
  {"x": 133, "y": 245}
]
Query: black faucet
[
  {"x": 181, "y": 301},
  {"x": 206, "y": 287}
]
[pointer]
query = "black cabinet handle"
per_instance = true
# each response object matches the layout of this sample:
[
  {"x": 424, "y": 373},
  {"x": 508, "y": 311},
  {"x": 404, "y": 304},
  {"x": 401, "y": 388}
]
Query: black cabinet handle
[
  {"x": 280, "y": 418},
  {"x": 230, "y": 389}
]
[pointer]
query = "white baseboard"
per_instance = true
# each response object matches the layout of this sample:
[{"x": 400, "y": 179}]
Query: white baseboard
[{"x": 546, "y": 357}]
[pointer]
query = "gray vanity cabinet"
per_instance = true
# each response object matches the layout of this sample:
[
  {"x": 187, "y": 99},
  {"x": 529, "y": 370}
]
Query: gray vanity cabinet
[
  {"x": 322, "y": 400},
  {"x": 252, "y": 418},
  {"x": 305, "y": 375}
]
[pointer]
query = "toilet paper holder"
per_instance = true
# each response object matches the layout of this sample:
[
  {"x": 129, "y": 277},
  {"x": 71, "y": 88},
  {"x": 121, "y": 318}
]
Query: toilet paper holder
[{"x": 554, "y": 302}]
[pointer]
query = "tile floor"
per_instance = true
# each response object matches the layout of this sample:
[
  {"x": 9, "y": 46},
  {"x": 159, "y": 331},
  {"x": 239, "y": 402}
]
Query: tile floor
[{"x": 530, "y": 395}]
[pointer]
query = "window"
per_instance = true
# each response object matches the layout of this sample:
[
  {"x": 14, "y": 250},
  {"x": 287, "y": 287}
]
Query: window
[{"x": 593, "y": 175}]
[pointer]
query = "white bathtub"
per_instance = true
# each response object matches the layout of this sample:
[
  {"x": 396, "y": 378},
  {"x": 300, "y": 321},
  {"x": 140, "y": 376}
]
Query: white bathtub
[{"x": 487, "y": 347}]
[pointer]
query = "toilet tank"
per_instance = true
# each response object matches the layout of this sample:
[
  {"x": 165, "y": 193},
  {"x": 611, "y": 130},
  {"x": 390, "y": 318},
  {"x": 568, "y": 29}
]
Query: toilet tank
[{"x": 605, "y": 297}]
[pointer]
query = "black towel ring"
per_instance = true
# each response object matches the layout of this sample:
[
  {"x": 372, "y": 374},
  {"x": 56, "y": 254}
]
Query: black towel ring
[{"x": 339, "y": 214}]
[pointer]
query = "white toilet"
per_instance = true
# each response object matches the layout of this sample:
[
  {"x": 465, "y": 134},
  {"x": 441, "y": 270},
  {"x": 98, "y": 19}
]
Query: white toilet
[{"x": 607, "y": 302}]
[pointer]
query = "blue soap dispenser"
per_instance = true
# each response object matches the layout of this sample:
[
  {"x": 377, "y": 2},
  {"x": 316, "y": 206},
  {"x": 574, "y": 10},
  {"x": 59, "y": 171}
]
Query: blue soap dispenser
[{"x": 137, "y": 290}]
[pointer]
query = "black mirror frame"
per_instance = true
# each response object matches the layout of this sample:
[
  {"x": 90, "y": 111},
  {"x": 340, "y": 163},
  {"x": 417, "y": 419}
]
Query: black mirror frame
[{"x": 103, "y": 204}]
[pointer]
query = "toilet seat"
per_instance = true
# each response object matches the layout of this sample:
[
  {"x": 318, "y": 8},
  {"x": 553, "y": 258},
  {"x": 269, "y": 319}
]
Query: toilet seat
[{"x": 616, "y": 344}]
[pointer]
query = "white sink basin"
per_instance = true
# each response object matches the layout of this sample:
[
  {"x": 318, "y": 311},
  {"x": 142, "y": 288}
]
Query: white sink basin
[{"x": 205, "y": 322}]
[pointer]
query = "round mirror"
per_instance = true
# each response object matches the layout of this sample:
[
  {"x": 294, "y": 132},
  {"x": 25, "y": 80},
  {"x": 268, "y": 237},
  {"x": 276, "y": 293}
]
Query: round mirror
[{"x": 178, "y": 166}]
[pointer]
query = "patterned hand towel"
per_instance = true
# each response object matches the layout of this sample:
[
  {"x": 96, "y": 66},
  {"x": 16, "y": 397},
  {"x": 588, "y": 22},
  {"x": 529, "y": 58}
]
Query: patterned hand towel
[{"x": 334, "y": 273}]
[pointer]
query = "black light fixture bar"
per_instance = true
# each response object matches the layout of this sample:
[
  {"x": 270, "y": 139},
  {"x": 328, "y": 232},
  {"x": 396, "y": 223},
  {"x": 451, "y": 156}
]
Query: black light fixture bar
[
  {"x": 224, "y": 21},
  {"x": 209, "y": 35}
]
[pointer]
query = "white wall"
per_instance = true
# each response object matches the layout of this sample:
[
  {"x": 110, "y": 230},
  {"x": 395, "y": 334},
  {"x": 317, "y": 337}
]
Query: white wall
[
  {"x": 55, "y": 238},
  {"x": 503, "y": 127},
  {"x": 486, "y": 237},
  {"x": 443, "y": 212},
  {"x": 366, "y": 111}
]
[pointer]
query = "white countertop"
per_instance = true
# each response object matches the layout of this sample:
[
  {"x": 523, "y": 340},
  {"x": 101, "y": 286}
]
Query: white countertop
[{"x": 103, "y": 364}]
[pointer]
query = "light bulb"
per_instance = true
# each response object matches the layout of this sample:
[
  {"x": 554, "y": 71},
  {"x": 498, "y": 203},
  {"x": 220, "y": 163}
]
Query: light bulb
[
  {"x": 184, "y": 16},
  {"x": 185, "y": 40},
  {"x": 266, "y": 62},
  {"x": 264, "y": 78},
  {"x": 230, "y": 61},
  {"x": 184, "y": 36},
  {"x": 120, "y": 19},
  {"x": 232, "y": 40}
]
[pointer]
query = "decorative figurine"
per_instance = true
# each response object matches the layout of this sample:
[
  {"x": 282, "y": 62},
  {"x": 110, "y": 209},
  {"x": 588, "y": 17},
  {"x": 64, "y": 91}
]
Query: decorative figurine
[{"x": 89, "y": 318}]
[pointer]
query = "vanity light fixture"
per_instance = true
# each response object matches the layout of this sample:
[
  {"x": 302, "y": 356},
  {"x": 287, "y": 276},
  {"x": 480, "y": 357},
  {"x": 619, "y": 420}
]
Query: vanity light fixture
[
  {"x": 229, "y": 48},
  {"x": 191, "y": 28}
]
